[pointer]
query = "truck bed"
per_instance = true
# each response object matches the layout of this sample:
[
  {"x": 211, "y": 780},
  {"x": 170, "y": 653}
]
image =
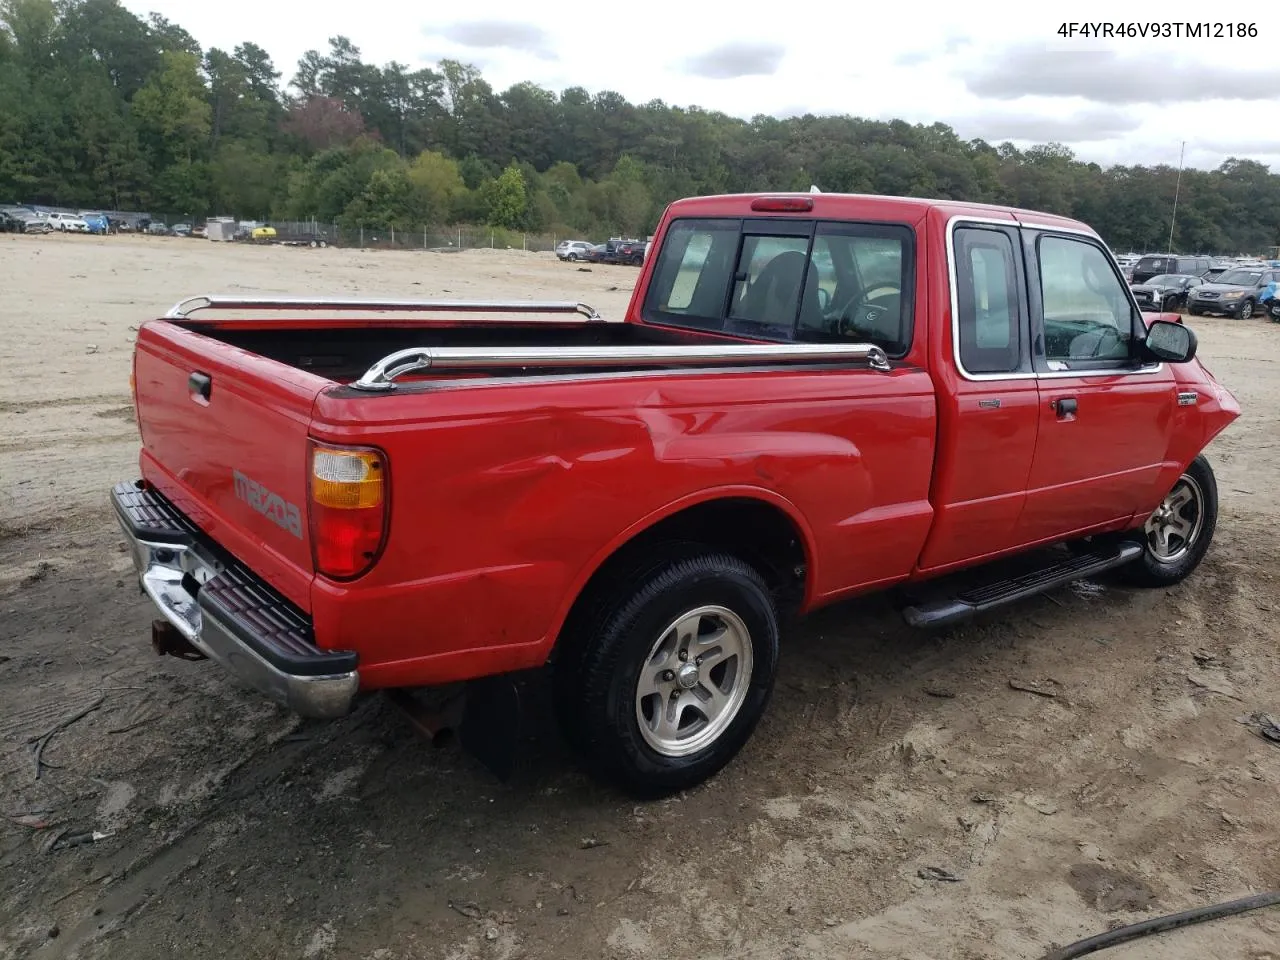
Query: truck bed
[{"x": 342, "y": 350}]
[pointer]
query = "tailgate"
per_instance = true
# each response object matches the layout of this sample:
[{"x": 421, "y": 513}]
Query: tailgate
[{"x": 224, "y": 437}]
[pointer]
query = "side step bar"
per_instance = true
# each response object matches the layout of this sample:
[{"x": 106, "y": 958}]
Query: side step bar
[{"x": 998, "y": 593}]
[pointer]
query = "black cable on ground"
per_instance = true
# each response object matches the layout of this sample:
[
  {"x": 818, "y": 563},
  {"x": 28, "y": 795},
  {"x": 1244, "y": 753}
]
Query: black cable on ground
[{"x": 1161, "y": 924}]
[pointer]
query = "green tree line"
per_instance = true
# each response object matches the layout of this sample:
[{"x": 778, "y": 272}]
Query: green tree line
[{"x": 102, "y": 108}]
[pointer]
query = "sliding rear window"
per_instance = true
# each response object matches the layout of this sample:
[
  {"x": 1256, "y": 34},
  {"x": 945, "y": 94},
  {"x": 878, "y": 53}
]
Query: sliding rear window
[{"x": 787, "y": 280}]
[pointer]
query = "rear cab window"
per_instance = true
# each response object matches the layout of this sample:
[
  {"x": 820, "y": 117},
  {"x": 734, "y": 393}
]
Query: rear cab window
[
  {"x": 787, "y": 279},
  {"x": 1155, "y": 265}
]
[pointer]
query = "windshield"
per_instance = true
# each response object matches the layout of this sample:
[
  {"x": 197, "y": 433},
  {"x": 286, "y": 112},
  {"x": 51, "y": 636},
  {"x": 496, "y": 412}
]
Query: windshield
[
  {"x": 1241, "y": 278},
  {"x": 1167, "y": 280}
]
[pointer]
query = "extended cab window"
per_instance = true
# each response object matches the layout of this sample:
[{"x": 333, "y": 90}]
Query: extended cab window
[
  {"x": 1087, "y": 315},
  {"x": 824, "y": 281},
  {"x": 987, "y": 301},
  {"x": 691, "y": 280}
]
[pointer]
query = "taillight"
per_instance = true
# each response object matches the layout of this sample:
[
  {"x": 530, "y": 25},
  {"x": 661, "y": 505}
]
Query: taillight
[{"x": 348, "y": 508}]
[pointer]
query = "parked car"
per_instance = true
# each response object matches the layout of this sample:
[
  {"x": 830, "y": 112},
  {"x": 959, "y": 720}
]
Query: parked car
[
  {"x": 1165, "y": 292},
  {"x": 26, "y": 219},
  {"x": 199, "y": 231},
  {"x": 10, "y": 224},
  {"x": 1154, "y": 266},
  {"x": 181, "y": 229},
  {"x": 1233, "y": 294},
  {"x": 638, "y": 505},
  {"x": 97, "y": 222},
  {"x": 158, "y": 229},
  {"x": 572, "y": 249},
  {"x": 67, "y": 223},
  {"x": 622, "y": 251}
]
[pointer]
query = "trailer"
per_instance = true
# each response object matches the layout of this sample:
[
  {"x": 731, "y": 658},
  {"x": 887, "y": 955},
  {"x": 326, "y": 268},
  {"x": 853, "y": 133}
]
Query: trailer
[{"x": 221, "y": 228}]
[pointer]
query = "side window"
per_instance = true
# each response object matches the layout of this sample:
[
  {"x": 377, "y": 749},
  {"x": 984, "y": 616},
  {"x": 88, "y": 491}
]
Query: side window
[
  {"x": 691, "y": 279},
  {"x": 987, "y": 301},
  {"x": 1086, "y": 311}
]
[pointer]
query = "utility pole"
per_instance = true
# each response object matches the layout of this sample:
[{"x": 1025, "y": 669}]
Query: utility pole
[{"x": 1176, "y": 189}]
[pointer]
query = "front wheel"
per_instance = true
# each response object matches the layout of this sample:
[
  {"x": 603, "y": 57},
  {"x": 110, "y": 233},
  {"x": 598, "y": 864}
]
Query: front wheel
[
  {"x": 669, "y": 683},
  {"x": 1178, "y": 534},
  {"x": 1246, "y": 311}
]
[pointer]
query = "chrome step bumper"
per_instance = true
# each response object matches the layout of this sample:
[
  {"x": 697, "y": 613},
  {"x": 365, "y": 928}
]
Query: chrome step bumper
[{"x": 227, "y": 612}]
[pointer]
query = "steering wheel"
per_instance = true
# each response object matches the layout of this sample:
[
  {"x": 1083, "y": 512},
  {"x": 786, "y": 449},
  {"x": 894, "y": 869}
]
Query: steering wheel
[
  {"x": 860, "y": 316},
  {"x": 1099, "y": 342}
]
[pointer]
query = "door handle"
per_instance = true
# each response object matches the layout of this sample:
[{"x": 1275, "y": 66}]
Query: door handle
[
  {"x": 200, "y": 385},
  {"x": 1065, "y": 407}
]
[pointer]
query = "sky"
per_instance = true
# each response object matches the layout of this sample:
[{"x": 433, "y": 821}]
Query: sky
[{"x": 971, "y": 64}]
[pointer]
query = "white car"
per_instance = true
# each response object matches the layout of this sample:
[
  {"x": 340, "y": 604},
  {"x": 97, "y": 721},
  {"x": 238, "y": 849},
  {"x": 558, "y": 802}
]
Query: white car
[{"x": 68, "y": 223}]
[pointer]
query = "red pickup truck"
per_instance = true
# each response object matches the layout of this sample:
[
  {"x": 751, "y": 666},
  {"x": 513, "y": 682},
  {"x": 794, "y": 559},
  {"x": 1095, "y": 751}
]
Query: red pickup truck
[{"x": 811, "y": 396}]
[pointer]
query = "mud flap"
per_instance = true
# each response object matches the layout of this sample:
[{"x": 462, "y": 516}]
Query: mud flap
[{"x": 493, "y": 723}]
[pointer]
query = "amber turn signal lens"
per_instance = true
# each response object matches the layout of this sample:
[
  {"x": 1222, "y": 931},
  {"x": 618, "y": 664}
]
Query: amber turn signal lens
[{"x": 346, "y": 479}]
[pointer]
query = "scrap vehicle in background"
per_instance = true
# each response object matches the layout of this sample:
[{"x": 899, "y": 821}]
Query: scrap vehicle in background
[
  {"x": 24, "y": 219},
  {"x": 1235, "y": 293},
  {"x": 619, "y": 251},
  {"x": 67, "y": 222},
  {"x": 1166, "y": 292},
  {"x": 1158, "y": 264},
  {"x": 573, "y": 250},
  {"x": 98, "y": 222},
  {"x": 810, "y": 397}
]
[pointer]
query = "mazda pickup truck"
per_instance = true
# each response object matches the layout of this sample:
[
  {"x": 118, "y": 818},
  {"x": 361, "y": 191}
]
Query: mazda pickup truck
[{"x": 810, "y": 396}]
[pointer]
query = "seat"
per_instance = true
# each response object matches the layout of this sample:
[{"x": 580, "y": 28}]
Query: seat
[{"x": 771, "y": 298}]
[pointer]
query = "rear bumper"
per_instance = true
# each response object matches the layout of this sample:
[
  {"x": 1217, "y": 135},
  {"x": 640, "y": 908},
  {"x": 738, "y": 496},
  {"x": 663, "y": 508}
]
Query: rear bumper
[{"x": 228, "y": 613}]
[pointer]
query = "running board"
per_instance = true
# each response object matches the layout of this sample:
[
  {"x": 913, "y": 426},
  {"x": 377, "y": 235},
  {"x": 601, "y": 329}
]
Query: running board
[{"x": 998, "y": 593}]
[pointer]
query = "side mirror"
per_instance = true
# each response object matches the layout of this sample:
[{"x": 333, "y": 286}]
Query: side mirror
[{"x": 1170, "y": 342}]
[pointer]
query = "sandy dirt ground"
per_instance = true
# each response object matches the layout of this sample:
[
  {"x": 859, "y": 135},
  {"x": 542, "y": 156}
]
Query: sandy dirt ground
[{"x": 233, "y": 830}]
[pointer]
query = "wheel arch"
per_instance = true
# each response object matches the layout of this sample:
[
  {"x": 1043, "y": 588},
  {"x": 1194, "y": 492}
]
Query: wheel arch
[{"x": 762, "y": 527}]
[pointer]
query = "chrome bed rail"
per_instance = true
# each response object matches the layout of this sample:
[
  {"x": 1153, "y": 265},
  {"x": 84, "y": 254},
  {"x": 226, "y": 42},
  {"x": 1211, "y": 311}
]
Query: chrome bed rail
[
  {"x": 184, "y": 308},
  {"x": 382, "y": 375}
]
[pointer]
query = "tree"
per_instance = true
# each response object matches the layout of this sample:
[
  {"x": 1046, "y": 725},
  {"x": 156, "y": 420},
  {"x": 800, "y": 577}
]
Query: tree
[
  {"x": 171, "y": 108},
  {"x": 504, "y": 199},
  {"x": 323, "y": 122},
  {"x": 100, "y": 107},
  {"x": 438, "y": 183}
]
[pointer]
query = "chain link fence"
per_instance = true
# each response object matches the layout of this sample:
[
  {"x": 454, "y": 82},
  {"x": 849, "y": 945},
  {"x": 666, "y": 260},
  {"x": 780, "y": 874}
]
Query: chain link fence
[
  {"x": 425, "y": 237},
  {"x": 440, "y": 238}
]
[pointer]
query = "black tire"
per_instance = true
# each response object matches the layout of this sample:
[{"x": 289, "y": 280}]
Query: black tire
[
  {"x": 1195, "y": 312},
  {"x": 572, "y": 258},
  {"x": 597, "y": 678},
  {"x": 1151, "y": 570},
  {"x": 1245, "y": 310}
]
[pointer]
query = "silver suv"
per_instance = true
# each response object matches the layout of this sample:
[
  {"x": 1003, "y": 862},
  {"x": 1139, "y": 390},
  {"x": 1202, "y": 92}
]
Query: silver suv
[{"x": 573, "y": 249}]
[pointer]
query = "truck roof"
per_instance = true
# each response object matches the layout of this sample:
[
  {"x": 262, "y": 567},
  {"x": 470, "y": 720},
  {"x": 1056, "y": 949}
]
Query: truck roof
[{"x": 842, "y": 205}]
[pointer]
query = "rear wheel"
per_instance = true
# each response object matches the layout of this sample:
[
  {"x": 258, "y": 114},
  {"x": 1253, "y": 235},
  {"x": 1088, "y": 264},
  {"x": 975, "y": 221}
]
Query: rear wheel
[
  {"x": 664, "y": 685},
  {"x": 1178, "y": 534}
]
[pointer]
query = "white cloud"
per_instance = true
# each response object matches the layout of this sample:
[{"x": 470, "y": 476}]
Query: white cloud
[{"x": 966, "y": 65}]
